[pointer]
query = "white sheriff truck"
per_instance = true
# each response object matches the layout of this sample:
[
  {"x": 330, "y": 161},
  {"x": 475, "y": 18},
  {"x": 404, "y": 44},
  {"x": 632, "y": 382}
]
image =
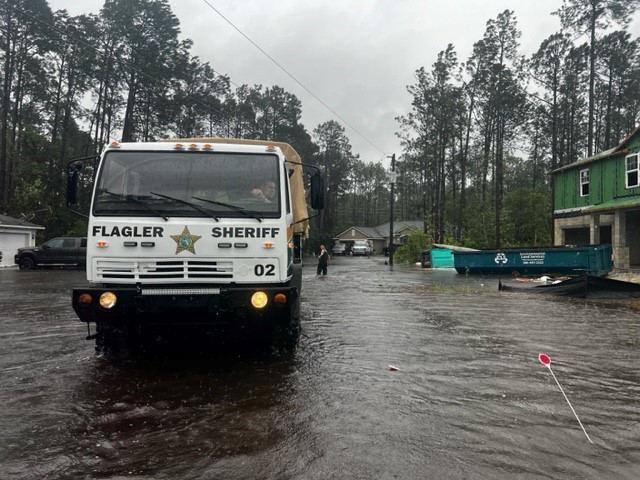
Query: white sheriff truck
[{"x": 195, "y": 234}]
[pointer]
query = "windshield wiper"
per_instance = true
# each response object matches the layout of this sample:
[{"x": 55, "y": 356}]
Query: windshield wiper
[
  {"x": 232, "y": 207},
  {"x": 208, "y": 213},
  {"x": 137, "y": 201}
]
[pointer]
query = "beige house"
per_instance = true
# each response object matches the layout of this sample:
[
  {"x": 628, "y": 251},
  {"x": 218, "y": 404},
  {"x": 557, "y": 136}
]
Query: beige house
[{"x": 379, "y": 236}]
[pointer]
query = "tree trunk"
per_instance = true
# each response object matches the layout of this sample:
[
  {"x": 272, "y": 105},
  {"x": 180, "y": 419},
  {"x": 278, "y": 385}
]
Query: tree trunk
[
  {"x": 592, "y": 78},
  {"x": 5, "y": 107},
  {"x": 128, "y": 127}
]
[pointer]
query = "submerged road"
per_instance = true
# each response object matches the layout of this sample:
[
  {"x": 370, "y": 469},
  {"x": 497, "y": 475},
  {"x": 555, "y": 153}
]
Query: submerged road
[{"x": 469, "y": 398}]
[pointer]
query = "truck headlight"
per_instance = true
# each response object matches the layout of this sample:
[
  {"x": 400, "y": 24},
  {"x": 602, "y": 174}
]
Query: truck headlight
[
  {"x": 108, "y": 300},
  {"x": 259, "y": 299}
]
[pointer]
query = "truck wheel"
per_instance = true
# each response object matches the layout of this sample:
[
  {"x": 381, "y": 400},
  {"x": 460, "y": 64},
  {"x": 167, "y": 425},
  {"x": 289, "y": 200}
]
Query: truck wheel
[
  {"x": 26, "y": 263},
  {"x": 287, "y": 334},
  {"x": 116, "y": 339},
  {"x": 108, "y": 339}
]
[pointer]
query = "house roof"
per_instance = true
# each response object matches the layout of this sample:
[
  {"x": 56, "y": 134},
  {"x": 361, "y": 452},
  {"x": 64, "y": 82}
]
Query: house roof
[
  {"x": 417, "y": 225},
  {"x": 382, "y": 231},
  {"x": 612, "y": 152},
  {"x": 7, "y": 221},
  {"x": 369, "y": 232}
]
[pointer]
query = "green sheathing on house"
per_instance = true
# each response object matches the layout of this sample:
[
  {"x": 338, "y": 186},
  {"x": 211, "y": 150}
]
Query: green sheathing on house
[
  {"x": 607, "y": 181},
  {"x": 597, "y": 199}
]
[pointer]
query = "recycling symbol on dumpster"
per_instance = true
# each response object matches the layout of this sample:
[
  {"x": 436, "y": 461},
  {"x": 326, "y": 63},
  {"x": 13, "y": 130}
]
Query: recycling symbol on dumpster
[{"x": 501, "y": 258}]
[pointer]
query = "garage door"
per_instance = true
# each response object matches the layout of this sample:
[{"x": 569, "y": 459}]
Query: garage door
[
  {"x": 576, "y": 236},
  {"x": 9, "y": 243}
]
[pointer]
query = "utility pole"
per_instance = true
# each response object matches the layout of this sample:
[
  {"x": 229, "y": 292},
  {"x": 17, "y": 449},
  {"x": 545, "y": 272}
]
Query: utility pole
[{"x": 393, "y": 182}]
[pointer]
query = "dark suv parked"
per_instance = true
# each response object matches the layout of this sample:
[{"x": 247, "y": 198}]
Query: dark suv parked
[{"x": 57, "y": 252}]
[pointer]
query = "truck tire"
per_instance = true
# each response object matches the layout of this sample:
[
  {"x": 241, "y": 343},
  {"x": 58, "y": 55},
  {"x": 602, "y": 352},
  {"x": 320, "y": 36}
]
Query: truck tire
[
  {"x": 287, "y": 334},
  {"x": 26, "y": 263},
  {"x": 108, "y": 339},
  {"x": 116, "y": 339}
]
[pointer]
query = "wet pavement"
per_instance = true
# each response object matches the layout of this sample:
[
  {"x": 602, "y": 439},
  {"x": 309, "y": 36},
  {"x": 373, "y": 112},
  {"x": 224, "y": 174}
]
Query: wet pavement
[{"x": 469, "y": 399}]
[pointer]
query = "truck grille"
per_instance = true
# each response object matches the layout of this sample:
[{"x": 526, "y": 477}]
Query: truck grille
[{"x": 159, "y": 270}]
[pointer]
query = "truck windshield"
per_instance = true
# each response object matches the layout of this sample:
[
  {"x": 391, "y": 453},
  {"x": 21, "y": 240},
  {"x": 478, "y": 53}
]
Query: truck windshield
[{"x": 188, "y": 184}]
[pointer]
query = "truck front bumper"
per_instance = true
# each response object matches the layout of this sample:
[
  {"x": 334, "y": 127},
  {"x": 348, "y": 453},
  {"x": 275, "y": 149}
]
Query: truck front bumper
[{"x": 203, "y": 305}]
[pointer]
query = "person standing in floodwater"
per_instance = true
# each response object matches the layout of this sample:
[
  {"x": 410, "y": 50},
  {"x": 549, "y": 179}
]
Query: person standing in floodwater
[{"x": 323, "y": 261}]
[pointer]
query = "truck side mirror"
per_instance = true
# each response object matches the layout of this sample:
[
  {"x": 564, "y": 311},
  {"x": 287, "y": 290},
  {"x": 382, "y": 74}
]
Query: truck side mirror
[
  {"x": 317, "y": 191},
  {"x": 73, "y": 172}
]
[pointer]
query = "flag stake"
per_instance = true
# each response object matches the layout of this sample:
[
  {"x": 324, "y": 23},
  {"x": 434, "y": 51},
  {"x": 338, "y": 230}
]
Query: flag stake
[{"x": 546, "y": 361}]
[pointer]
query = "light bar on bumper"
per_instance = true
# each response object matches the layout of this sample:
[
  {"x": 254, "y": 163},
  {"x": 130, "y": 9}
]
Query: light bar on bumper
[{"x": 156, "y": 304}]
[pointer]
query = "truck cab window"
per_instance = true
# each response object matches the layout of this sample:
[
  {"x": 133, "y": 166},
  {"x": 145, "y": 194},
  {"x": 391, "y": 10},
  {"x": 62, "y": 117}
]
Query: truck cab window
[{"x": 136, "y": 183}]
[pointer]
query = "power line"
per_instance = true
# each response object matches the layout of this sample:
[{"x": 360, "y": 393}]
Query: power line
[{"x": 276, "y": 63}]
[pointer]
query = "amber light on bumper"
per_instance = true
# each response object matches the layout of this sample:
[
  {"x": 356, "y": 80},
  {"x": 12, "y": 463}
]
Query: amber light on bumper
[
  {"x": 259, "y": 299},
  {"x": 108, "y": 300},
  {"x": 85, "y": 299}
]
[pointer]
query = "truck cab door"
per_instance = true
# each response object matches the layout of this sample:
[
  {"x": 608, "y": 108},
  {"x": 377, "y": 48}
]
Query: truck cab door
[
  {"x": 52, "y": 252},
  {"x": 68, "y": 254}
]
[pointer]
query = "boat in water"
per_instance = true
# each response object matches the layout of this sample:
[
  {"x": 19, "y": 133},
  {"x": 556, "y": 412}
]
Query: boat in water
[{"x": 583, "y": 286}]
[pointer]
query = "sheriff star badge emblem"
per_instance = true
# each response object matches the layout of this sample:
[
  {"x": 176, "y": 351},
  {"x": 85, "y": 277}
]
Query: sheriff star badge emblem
[{"x": 185, "y": 241}]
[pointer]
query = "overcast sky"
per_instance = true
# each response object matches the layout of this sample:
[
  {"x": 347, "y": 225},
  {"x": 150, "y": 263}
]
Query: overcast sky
[{"x": 357, "y": 56}]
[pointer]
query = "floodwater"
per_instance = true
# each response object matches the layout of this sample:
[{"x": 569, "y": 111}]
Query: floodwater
[{"x": 469, "y": 398}]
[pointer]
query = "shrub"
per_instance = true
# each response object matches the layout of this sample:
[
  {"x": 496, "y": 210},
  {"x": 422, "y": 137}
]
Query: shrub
[{"x": 411, "y": 252}]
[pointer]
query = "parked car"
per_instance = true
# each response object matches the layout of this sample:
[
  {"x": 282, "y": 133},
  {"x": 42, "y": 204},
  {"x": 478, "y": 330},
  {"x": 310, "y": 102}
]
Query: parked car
[
  {"x": 57, "y": 252},
  {"x": 361, "y": 247},
  {"x": 339, "y": 249}
]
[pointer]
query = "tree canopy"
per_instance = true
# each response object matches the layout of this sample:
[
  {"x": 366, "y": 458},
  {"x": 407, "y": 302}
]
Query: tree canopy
[{"x": 479, "y": 136}]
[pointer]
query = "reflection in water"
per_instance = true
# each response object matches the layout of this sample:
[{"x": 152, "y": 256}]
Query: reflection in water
[
  {"x": 164, "y": 417},
  {"x": 470, "y": 399}
]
